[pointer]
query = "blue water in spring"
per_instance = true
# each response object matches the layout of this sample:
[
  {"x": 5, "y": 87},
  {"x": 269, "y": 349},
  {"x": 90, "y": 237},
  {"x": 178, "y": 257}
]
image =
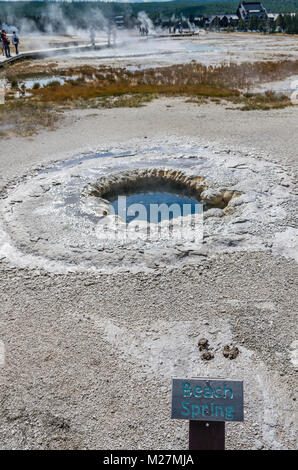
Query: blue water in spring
[{"x": 146, "y": 206}]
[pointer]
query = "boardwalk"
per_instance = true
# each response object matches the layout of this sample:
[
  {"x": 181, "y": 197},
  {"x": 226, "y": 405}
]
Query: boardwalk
[
  {"x": 50, "y": 52},
  {"x": 68, "y": 49}
]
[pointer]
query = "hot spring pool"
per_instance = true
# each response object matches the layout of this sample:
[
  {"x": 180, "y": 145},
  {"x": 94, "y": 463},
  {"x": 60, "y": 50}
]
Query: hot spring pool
[{"x": 154, "y": 207}]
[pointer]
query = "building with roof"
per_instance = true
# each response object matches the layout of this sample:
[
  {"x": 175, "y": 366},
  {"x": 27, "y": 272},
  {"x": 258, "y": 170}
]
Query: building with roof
[
  {"x": 223, "y": 21},
  {"x": 233, "y": 20},
  {"x": 273, "y": 16},
  {"x": 247, "y": 10}
]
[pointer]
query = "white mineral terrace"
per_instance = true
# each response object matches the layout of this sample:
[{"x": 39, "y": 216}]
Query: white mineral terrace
[{"x": 52, "y": 220}]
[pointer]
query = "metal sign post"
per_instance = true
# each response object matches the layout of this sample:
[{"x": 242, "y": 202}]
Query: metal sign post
[
  {"x": 205, "y": 435},
  {"x": 207, "y": 404}
]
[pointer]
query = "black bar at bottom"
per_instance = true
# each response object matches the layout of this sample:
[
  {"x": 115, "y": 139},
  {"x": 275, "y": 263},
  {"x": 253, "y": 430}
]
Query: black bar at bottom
[{"x": 206, "y": 435}]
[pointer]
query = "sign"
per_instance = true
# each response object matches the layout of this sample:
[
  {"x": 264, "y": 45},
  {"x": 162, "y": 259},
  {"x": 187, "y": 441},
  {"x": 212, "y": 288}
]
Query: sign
[{"x": 206, "y": 399}]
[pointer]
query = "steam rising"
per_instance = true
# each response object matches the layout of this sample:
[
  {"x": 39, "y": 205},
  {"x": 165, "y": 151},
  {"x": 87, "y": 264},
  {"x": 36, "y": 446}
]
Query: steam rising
[{"x": 53, "y": 20}]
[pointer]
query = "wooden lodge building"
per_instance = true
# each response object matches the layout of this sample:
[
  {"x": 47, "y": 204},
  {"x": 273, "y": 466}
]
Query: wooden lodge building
[{"x": 246, "y": 10}]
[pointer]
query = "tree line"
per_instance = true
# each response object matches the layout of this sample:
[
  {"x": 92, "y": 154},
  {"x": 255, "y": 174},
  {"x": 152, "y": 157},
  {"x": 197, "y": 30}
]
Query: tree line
[
  {"x": 79, "y": 14},
  {"x": 287, "y": 24}
]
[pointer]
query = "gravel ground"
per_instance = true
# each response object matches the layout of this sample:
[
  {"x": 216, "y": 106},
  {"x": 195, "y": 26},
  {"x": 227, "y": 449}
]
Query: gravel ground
[{"x": 89, "y": 357}]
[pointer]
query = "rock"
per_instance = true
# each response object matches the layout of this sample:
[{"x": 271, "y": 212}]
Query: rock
[
  {"x": 230, "y": 352},
  {"x": 214, "y": 213},
  {"x": 122, "y": 182},
  {"x": 203, "y": 344},
  {"x": 212, "y": 197},
  {"x": 227, "y": 196},
  {"x": 207, "y": 355}
]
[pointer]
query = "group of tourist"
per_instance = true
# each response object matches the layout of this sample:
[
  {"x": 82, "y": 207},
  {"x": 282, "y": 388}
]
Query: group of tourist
[
  {"x": 175, "y": 28},
  {"x": 144, "y": 30},
  {"x": 5, "y": 43}
]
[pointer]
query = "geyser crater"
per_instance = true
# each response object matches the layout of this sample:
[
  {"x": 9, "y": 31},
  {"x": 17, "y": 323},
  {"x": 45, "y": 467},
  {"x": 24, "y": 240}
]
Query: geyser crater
[
  {"x": 53, "y": 217},
  {"x": 157, "y": 186}
]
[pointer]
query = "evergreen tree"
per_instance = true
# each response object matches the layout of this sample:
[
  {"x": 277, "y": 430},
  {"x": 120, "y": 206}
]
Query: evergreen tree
[
  {"x": 253, "y": 24},
  {"x": 273, "y": 26},
  {"x": 262, "y": 27},
  {"x": 216, "y": 23},
  {"x": 242, "y": 25},
  {"x": 280, "y": 23},
  {"x": 288, "y": 23}
]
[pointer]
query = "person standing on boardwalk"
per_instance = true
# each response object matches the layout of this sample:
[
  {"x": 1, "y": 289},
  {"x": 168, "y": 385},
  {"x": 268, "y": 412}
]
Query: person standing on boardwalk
[
  {"x": 6, "y": 43},
  {"x": 1, "y": 44},
  {"x": 15, "y": 41}
]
